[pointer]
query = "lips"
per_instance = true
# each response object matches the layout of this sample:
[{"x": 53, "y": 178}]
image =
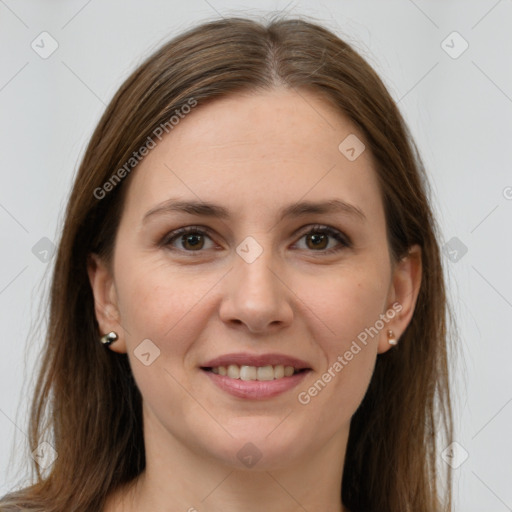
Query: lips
[
  {"x": 246, "y": 359},
  {"x": 254, "y": 389}
]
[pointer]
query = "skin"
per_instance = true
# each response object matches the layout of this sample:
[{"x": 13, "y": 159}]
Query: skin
[{"x": 252, "y": 154}]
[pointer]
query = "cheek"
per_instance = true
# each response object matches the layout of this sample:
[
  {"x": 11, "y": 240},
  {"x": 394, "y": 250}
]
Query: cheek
[
  {"x": 166, "y": 307},
  {"x": 350, "y": 306},
  {"x": 172, "y": 307},
  {"x": 350, "y": 301},
  {"x": 155, "y": 299}
]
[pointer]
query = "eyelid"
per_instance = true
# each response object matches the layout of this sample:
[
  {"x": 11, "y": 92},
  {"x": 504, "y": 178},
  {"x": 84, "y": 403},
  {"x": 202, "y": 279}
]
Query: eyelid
[
  {"x": 176, "y": 233},
  {"x": 329, "y": 230},
  {"x": 343, "y": 240}
]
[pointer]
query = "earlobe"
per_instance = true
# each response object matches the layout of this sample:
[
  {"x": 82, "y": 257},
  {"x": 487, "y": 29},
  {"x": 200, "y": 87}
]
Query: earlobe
[
  {"x": 105, "y": 302},
  {"x": 404, "y": 290}
]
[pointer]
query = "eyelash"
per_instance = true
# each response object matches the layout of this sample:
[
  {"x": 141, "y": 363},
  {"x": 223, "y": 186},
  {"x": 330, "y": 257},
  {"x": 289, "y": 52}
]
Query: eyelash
[{"x": 316, "y": 229}]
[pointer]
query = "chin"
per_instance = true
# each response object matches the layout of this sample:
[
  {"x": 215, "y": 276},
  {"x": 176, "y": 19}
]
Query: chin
[{"x": 261, "y": 448}]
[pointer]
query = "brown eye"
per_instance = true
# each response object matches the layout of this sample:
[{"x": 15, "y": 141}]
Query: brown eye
[
  {"x": 318, "y": 239},
  {"x": 189, "y": 239},
  {"x": 194, "y": 241}
]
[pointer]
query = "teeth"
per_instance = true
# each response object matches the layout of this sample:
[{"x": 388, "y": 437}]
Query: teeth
[{"x": 255, "y": 372}]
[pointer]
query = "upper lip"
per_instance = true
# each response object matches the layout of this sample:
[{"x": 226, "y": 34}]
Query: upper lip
[{"x": 246, "y": 359}]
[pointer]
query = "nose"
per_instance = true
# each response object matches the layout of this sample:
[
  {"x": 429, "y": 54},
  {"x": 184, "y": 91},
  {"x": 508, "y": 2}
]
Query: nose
[{"x": 256, "y": 295}]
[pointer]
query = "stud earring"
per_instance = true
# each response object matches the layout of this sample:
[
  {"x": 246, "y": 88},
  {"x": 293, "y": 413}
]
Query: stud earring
[
  {"x": 391, "y": 338},
  {"x": 109, "y": 338}
]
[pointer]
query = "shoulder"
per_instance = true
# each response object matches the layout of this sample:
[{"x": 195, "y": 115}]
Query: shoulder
[
  {"x": 11, "y": 506},
  {"x": 16, "y": 502}
]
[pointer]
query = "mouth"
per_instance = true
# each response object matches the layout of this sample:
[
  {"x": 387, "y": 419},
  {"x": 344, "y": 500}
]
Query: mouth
[
  {"x": 255, "y": 376},
  {"x": 259, "y": 373},
  {"x": 255, "y": 382}
]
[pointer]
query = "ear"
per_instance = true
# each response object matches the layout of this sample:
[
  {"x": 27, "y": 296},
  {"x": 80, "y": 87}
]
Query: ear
[
  {"x": 105, "y": 301},
  {"x": 402, "y": 297}
]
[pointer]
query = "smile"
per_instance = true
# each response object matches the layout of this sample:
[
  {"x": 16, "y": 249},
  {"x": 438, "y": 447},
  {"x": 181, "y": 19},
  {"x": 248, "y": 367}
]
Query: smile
[
  {"x": 261, "y": 373},
  {"x": 241, "y": 387}
]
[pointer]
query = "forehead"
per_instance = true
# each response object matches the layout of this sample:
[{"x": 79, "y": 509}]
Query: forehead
[{"x": 257, "y": 150}]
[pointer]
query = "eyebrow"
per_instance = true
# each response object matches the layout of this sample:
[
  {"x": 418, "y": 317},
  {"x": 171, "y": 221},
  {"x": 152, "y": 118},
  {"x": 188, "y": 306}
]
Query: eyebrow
[{"x": 206, "y": 209}]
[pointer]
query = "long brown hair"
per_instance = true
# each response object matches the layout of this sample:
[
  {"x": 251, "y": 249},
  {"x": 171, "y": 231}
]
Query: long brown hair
[{"x": 85, "y": 396}]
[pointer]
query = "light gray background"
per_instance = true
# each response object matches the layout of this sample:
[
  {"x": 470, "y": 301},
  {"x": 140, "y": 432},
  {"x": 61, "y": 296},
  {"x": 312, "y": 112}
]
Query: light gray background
[{"x": 459, "y": 111}]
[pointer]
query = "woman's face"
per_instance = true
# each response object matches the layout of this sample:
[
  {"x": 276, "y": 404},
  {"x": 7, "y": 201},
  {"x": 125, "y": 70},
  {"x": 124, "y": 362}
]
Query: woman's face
[{"x": 252, "y": 281}]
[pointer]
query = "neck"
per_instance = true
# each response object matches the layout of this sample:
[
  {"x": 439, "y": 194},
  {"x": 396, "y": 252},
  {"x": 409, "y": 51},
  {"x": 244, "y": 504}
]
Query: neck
[{"x": 178, "y": 478}]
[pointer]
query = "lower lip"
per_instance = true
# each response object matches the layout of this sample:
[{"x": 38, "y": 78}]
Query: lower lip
[{"x": 256, "y": 389}]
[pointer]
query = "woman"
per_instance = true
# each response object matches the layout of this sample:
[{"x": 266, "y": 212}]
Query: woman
[{"x": 248, "y": 307}]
